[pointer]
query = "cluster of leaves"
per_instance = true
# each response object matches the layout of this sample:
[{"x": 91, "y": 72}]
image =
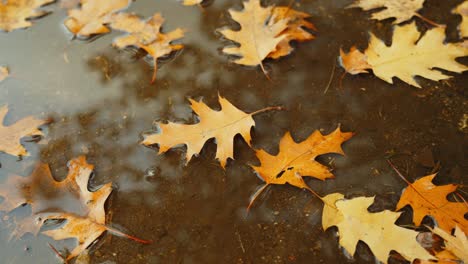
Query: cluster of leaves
[{"x": 265, "y": 33}]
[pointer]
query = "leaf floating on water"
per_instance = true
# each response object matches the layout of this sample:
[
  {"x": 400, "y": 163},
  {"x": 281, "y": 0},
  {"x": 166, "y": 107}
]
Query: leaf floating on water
[
  {"x": 265, "y": 32},
  {"x": 428, "y": 199},
  {"x": 15, "y": 14},
  {"x": 91, "y": 18},
  {"x": 4, "y": 73},
  {"x": 10, "y": 136},
  {"x": 297, "y": 160},
  {"x": 462, "y": 10},
  {"x": 378, "y": 230},
  {"x": 409, "y": 55},
  {"x": 223, "y": 125},
  {"x": 456, "y": 244},
  {"x": 146, "y": 35},
  {"x": 86, "y": 223},
  {"x": 402, "y": 10}
]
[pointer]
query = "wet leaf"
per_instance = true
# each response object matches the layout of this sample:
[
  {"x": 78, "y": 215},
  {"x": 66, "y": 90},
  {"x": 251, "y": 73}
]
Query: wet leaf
[
  {"x": 10, "y": 136},
  {"x": 456, "y": 244},
  {"x": 191, "y": 2},
  {"x": 378, "y": 230},
  {"x": 4, "y": 73},
  {"x": 146, "y": 35},
  {"x": 409, "y": 55},
  {"x": 462, "y": 10},
  {"x": 265, "y": 32},
  {"x": 91, "y": 18},
  {"x": 297, "y": 160},
  {"x": 15, "y": 14},
  {"x": 427, "y": 199},
  {"x": 68, "y": 200},
  {"x": 222, "y": 125},
  {"x": 402, "y": 10}
]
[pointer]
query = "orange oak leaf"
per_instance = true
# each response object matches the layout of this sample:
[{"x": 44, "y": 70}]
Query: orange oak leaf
[
  {"x": 223, "y": 125},
  {"x": 146, "y": 35},
  {"x": 428, "y": 199},
  {"x": 354, "y": 62},
  {"x": 10, "y": 136},
  {"x": 68, "y": 200},
  {"x": 295, "y": 31},
  {"x": 297, "y": 160},
  {"x": 92, "y": 17},
  {"x": 15, "y": 14}
]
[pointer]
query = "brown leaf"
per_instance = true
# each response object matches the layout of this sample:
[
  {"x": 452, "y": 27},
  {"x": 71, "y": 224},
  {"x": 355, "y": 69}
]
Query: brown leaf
[
  {"x": 15, "y": 14},
  {"x": 222, "y": 125},
  {"x": 427, "y": 199},
  {"x": 297, "y": 160},
  {"x": 92, "y": 17},
  {"x": 10, "y": 136},
  {"x": 146, "y": 35}
]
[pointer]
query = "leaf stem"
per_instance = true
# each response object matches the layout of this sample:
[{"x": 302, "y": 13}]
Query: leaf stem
[
  {"x": 427, "y": 20},
  {"x": 331, "y": 78},
  {"x": 119, "y": 233},
  {"x": 270, "y": 108}
]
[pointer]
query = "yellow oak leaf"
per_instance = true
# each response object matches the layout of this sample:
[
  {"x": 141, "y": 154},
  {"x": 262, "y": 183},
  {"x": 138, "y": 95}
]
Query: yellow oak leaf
[
  {"x": 223, "y": 125},
  {"x": 378, "y": 230},
  {"x": 462, "y": 10},
  {"x": 10, "y": 136},
  {"x": 402, "y": 10},
  {"x": 191, "y": 2},
  {"x": 146, "y": 35},
  {"x": 409, "y": 55},
  {"x": 92, "y": 17},
  {"x": 297, "y": 160},
  {"x": 456, "y": 244},
  {"x": 428, "y": 199},
  {"x": 15, "y": 14}
]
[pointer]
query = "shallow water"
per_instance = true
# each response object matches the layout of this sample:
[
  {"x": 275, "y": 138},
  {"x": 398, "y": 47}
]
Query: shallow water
[{"x": 101, "y": 101}]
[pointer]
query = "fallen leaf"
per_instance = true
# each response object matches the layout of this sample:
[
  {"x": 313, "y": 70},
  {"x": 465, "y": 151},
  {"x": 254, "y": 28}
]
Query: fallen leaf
[
  {"x": 443, "y": 257},
  {"x": 428, "y": 199},
  {"x": 354, "y": 62},
  {"x": 10, "y": 136},
  {"x": 295, "y": 31},
  {"x": 378, "y": 230},
  {"x": 297, "y": 160},
  {"x": 3, "y": 73},
  {"x": 462, "y": 10},
  {"x": 456, "y": 244},
  {"x": 402, "y": 10},
  {"x": 68, "y": 200},
  {"x": 146, "y": 35},
  {"x": 265, "y": 32},
  {"x": 192, "y": 2},
  {"x": 223, "y": 125},
  {"x": 15, "y": 14},
  {"x": 92, "y": 17},
  {"x": 409, "y": 55}
]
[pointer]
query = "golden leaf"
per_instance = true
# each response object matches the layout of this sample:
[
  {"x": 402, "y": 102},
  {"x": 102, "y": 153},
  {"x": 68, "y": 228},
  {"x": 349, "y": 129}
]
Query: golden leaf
[
  {"x": 457, "y": 244},
  {"x": 462, "y": 10},
  {"x": 409, "y": 55},
  {"x": 146, "y": 35},
  {"x": 222, "y": 125},
  {"x": 10, "y": 136},
  {"x": 92, "y": 17},
  {"x": 402, "y": 10},
  {"x": 378, "y": 230},
  {"x": 15, "y": 14}
]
